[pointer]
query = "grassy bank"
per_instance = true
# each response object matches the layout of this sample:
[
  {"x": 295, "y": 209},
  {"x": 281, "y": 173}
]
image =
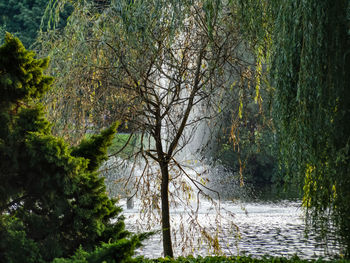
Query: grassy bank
[{"x": 123, "y": 145}]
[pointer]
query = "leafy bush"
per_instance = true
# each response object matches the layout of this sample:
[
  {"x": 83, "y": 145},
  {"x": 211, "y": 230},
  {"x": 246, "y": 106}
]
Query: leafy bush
[
  {"x": 117, "y": 252},
  {"x": 14, "y": 241}
]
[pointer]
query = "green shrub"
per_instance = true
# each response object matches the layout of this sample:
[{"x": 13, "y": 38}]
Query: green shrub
[
  {"x": 117, "y": 252},
  {"x": 15, "y": 244},
  {"x": 52, "y": 200}
]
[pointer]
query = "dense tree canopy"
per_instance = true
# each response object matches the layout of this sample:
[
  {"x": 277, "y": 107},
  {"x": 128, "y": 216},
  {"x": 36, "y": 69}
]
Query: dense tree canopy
[{"x": 22, "y": 18}]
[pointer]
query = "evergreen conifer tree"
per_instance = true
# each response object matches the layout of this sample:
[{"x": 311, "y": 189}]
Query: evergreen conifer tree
[{"x": 52, "y": 200}]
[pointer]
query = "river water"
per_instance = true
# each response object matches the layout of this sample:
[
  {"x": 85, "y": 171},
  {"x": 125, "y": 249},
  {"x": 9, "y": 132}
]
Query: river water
[{"x": 265, "y": 228}]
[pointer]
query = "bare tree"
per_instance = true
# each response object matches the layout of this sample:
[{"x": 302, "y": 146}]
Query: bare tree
[{"x": 168, "y": 59}]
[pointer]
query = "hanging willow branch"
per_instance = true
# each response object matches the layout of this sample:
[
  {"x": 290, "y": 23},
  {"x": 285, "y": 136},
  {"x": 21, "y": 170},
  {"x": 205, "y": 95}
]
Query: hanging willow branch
[{"x": 311, "y": 76}]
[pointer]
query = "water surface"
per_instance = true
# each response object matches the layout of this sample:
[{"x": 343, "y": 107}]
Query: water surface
[{"x": 275, "y": 229}]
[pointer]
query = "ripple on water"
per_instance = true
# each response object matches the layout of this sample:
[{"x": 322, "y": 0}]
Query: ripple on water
[{"x": 274, "y": 229}]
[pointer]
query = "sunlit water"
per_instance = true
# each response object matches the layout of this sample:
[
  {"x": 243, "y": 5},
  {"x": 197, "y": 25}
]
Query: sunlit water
[
  {"x": 275, "y": 229},
  {"x": 265, "y": 228}
]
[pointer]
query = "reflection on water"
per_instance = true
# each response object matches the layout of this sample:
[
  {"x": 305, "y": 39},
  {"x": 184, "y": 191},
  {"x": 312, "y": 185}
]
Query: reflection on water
[{"x": 274, "y": 229}]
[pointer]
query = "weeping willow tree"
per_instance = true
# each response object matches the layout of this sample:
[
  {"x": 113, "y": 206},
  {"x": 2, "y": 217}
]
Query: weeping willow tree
[
  {"x": 308, "y": 43},
  {"x": 311, "y": 69}
]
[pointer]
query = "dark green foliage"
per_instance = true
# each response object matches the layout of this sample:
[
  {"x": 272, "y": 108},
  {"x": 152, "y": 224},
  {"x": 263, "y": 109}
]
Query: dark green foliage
[
  {"x": 118, "y": 252},
  {"x": 311, "y": 73},
  {"x": 21, "y": 80},
  {"x": 51, "y": 201},
  {"x": 21, "y": 75},
  {"x": 245, "y": 145},
  {"x": 259, "y": 164},
  {"x": 254, "y": 158},
  {"x": 310, "y": 51},
  {"x": 95, "y": 147},
  {"x": 16, "y": 244},
  {"x": 24, "y": 18},
  {"x": 255, "y": 23}
]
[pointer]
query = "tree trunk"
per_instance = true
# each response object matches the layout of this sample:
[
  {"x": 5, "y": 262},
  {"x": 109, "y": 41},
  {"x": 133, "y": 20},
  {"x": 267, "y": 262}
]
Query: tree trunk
[{"x": 167, "y": 244}]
